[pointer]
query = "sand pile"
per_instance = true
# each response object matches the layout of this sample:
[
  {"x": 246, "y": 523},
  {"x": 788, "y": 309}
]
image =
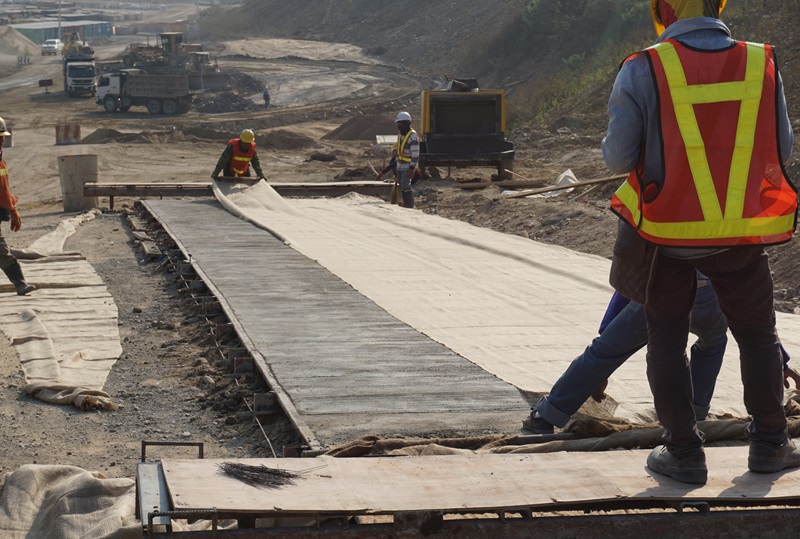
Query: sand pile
[
  {"x": 282, "y": 139},
  {"x": 14, "y": 43},
  {"x": 364, "y": 128}
]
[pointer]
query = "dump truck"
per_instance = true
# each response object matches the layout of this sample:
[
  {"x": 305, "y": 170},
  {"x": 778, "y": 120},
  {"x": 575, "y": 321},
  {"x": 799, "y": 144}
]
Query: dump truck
[
  {"x": 159, "y": 92},
  {"x": 78, "y": 66},
  {"x": 80, "y": 75},
  {"x": 464, "y": 126}
]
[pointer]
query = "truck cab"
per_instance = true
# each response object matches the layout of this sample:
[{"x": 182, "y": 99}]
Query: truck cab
[{"x": 80, "y": 77}]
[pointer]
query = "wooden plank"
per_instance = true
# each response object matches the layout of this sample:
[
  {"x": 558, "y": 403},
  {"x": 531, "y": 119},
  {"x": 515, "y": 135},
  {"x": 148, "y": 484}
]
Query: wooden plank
[
  {"x": 151, "y": 493},
  {"x": 150, "y": 249},
  {"x": 554, "y": 187},
  {"x": 199, "y": 189},
  {"x": 471, "y": 483}
]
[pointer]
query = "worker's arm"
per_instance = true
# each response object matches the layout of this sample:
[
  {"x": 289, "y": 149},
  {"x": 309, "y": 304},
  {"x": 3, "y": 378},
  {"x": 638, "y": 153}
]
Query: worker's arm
[
  {"x": 413, "y": 143},
  {"x": 626, "y": 120},
  {"x": 224, "y": 161},
  {"x": 257, "y": 166}
]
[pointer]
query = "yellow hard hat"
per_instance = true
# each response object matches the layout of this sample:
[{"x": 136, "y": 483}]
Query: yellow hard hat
[
  {"x": 3, "y": 129},
  {"x": 247, "y": 136},
  {"x": 684, "y": 9}
]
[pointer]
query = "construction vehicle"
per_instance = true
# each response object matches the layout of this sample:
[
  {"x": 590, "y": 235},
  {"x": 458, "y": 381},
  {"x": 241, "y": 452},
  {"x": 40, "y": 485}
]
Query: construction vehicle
[
  {"x": 159, "y": 92},
  {"x": 176, "y": 57},
  {"x": 78, "y": 66},
  {"x": 171, "y": 52},
  {"x": 464, "y": 126}
]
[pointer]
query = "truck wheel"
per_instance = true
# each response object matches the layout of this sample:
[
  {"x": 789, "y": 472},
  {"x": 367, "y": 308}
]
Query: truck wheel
[
  {"x": 169, "y": 106},
  {"x": 154, "y": 106},
  {"x": 110, "y": 104}
]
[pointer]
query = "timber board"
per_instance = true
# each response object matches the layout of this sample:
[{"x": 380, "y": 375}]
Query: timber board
[{"x": 471, "y": 483}]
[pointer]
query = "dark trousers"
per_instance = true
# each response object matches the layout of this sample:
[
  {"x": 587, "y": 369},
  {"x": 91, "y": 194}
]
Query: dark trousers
[
  {"x": 743, "y": 283},
  {"x": 6, "y": 258}
]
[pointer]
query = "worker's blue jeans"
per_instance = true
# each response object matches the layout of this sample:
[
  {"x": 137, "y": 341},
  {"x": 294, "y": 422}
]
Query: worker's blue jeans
[{"x": 626, "y": 335}]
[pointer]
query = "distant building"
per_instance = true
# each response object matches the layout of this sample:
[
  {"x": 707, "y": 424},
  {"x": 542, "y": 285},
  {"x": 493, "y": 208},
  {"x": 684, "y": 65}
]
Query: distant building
[{"x": 38, "y": 32}]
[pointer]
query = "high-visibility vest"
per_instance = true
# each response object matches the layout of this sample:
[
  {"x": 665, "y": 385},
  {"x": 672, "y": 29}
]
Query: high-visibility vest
[
  {"x": 400, "y": 146},
  {"x": 8, "y": 202},
  {"x": 240, "y": 161},
  {"x": 724, "y": 182}
]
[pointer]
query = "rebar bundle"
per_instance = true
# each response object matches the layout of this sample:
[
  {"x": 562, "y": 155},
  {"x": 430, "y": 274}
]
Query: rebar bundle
[{"x": 259, "y": 476}]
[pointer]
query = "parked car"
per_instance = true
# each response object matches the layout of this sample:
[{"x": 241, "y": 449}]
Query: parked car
[{"x": 52, "y": 46}]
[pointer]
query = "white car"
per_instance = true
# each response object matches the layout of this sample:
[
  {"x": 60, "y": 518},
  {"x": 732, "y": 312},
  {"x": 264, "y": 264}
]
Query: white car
[{"x": 52, "y": 46}]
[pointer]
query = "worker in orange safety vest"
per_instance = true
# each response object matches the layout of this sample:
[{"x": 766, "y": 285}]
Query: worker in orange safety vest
[
  {"x": 699, "y": 122},
  {"x": 237, "y": 157}
]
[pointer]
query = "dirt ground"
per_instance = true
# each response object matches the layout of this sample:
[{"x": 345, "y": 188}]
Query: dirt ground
[{"x": 167, "y": 381}]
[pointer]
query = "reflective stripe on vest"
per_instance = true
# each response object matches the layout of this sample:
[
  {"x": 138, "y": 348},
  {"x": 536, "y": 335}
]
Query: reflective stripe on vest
[
  {"x": 776, "y": 204},
  {"x": 240, "y": 161},
  {"x": 401, "y": 146}
]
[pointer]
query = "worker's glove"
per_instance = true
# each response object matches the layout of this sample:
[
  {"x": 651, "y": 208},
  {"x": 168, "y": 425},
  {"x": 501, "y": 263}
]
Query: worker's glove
[{"x": 16, "y": 221}]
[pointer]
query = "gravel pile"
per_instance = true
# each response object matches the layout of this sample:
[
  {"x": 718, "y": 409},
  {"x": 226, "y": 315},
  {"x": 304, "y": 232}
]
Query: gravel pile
[{"x": 224, "y": 102}]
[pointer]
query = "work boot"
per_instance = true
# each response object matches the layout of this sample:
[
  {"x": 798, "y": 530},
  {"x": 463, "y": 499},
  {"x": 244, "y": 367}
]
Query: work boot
[
  {"x": 14, "y": 274},
  {"x": 690, "y": 469},
  {"x": 769, "y": 458},
  {"x": 537, "y": 424},
  {"x": 408, "y": 198}
]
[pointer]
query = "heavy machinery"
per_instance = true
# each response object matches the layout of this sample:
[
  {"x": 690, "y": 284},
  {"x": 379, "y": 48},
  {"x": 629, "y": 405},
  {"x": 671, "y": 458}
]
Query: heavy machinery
[
  {"x": 464, "y": 126},
  {"x": 78, "y": 66},
  {"x": 159, "y": 92},
  {"x": 171, "y": 51},
  {"x": 176, "y": 57}
]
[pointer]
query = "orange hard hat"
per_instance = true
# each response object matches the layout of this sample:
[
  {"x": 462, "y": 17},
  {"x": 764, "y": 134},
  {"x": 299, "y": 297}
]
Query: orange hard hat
[{"x": 683, "y": 9}]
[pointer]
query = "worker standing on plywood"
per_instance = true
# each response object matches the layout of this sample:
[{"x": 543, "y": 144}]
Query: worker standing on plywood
[
  {"x": 8, "y": 212},
  {"x": 699, "y": 121},
  {"x": 237, "y": 157},
  {"x": 406, "y": 151}
]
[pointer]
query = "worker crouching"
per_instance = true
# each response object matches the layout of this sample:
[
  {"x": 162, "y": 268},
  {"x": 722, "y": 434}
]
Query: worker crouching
[{"x": 237, "y": 157}]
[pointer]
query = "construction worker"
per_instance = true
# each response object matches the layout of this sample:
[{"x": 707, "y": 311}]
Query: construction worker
[
  {"x": 622, "y": 333},
  {"x": 237, "y": 157},
  {"x": 406, "y": 152},
  {"x": 266, "y": 96},
  {"x": 699, "y": 121},
  {"x": 8, "y": 212}
]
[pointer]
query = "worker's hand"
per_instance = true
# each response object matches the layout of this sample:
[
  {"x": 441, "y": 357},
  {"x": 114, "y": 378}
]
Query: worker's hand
[
  {"x": 791, "y": 374},
  {"x": 600, "y": 393},
  {"x": 16, "y": 221},
  {"x": 262, "y": 178},
  {"x": 215, "y": 177}
]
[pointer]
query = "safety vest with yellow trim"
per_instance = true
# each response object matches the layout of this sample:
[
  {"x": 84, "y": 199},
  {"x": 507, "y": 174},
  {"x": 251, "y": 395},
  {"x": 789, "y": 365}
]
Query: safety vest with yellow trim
[
  {"x": 240, "y": 161},
  {"x": 8, "y": 201},
  {"x": 724, "y": 182},
  {"x": 400, "y": 146}
]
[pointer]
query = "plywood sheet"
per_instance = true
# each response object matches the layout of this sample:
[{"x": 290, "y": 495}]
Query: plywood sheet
[{"x": 468, "y": 482}]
